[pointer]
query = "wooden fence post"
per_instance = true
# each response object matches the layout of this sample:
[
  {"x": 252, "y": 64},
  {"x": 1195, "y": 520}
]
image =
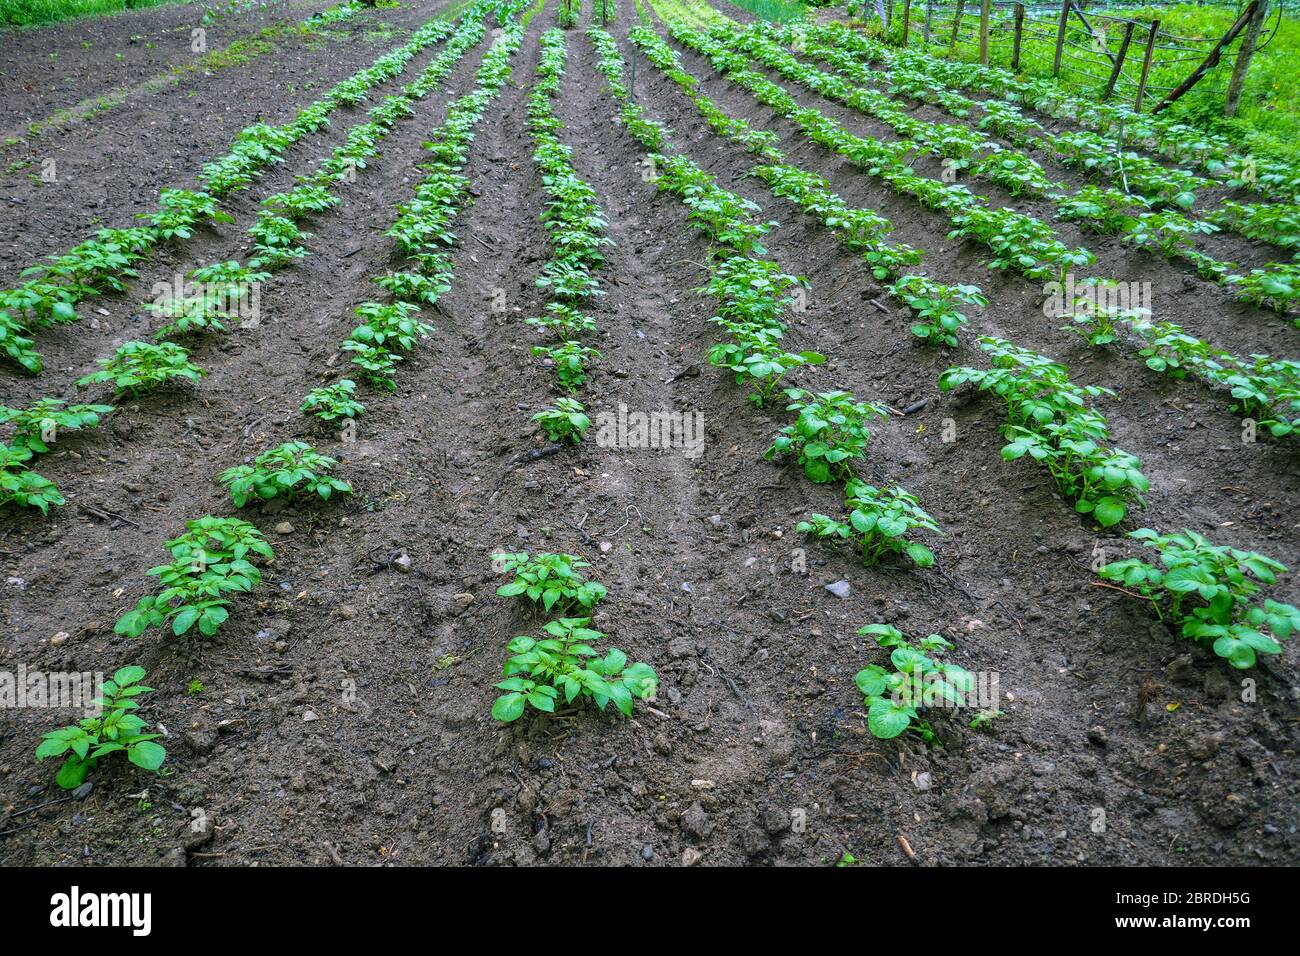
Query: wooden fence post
[
  {"x": 1244, "y": 54},
  {"x": 929, "y": 13},
  {"x": 984, "y": 31},
  {"x": 1015, "y": 43},
  {"x": 1119, "y": 60},
  {"x": 1211, "y": 60},
  {"x": 907, "y": 20},
  {"x": 1060, "y": 38},
  {"x": 956, "y": 24},
  {"x": 1146, "y": 65}
]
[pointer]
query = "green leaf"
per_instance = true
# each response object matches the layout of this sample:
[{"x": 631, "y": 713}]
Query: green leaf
[
  {"x": 146, "y": 755},
  {"x": 887, "y": 720},
  {"x": 508, "y": 707}
]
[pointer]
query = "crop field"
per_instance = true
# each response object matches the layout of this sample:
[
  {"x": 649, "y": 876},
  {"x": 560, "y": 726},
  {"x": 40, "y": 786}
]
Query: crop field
[{"x": 634, "y": 433}]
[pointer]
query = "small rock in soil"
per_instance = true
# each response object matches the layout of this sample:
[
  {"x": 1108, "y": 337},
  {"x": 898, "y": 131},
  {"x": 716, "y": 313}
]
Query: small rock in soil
[
  {"x": 840, "y": 589},
  {"x": 775, "y": 820},
  {"x": 1097, "y": 735},
  {"x": 696, "y": 822},
  {"x": 1204, "y": 746},
  {"x": 284, "y": 527},
  {"x": 691, "y": 856}
]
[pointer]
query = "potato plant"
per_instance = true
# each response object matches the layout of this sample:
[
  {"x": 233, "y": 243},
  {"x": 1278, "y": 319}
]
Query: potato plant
[
  {"x": 118, "y": 729},
  {"x": 21, "y": 486},
  {"x": 566, "y": 421},
  {"x": 895, "y": 699},
  {"x": 1211, "y": 591},
  {"x": 563, "y": 665},
  {"x": 287, "y": 472},
  {"x": 570, "y": 360},
  {"x": 879, "y": 521},
  {"x": 212, "y": 559},
  {"x": 38, "y": 426},
  {"x": 553, "y": 581},
  {"x": 331, "y": 402},
  {"x": 829, "y": 434},
  {"x": 1049, "y": 420},
  {"x": 137, "y": 368}
]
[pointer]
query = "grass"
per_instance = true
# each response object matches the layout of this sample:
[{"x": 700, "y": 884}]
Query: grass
[
  {"x": 25, "y": 13},
  {"x": 777, "y": 11}
]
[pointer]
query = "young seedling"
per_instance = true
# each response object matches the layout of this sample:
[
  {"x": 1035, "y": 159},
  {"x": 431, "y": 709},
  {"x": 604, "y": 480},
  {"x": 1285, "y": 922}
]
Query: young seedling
[
  {"x": 566, "y": 421},
  {"x": 38, "y": 426},
  {"x": 895, "y": 698},
  {"x": 332, "y": 402},
  {"x": 829, "y": 434},
  {"x": 1210, "y": 590},
  {"x": 210, "y": 560},
  {"x": 21, "y": 486},
  {"x": 139, "y": 367},
  {"x": 285, "y": 472},
  {"x": 564, "y": 320},
  {"x": 555, "y": 581},
  {"x": 879, "y": 521},
  {"x": 937, "y": 306},
  {"x": 116, "y": 729},
  {"x": 570, "y": 360},
  {"x": 539, "y": 672}
]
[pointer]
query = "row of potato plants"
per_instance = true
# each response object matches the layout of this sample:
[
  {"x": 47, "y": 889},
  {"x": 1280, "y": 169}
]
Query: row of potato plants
[
  {"x": 830, "y": 433},
  {"x": 562, "y": 664},
  {"x": 1020, "y": 243},
  {"x": 1263, "y": 388},
  {"x": 1133, "y": 213},
  {"x": 218, "y": 557},
  {"x": 137, "y": 368},
  {"x": 105, "y": 262},
  {"x": 1147, "y": 212},
  {"x": 937, "y": 307},
  {"x": 1049, "y": 419},
  {"x": 574, "y": 224},
  {"x": 1270, "y": 384},
  {"x": 1215, "y": 154}
]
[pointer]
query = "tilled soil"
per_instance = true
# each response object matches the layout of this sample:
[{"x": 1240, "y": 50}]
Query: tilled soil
[
  {"x": 74, "y": 178},
  {"x": 345, "y": 710},
  {"x": 53, "y": 67}
]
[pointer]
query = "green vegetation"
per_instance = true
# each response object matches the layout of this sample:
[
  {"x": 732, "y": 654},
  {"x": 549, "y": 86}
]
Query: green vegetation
[
  {"x": 116, "y": 729},
  {"x": 24, "y": 13}
]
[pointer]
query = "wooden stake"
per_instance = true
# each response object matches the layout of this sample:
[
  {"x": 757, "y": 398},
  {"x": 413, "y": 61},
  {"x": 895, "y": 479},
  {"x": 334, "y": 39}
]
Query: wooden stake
[
  {"x": 1212, "y": 60},
  {"x": 984, "y": 31},
  {"x": 1060, "y": 38},
  {"x": 1015, "y": 43},
  {"x": 1119, "y": 60},
  {"x": 1244, "y": 54},
  {"x": 907, "y": 20},
  {"x": 1146, "y": 64},
  {"x": 929, "y": 14}
]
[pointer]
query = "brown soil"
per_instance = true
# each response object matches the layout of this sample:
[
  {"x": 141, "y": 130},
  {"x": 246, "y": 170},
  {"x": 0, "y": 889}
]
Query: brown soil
[{"x": 757, "y": 723}]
